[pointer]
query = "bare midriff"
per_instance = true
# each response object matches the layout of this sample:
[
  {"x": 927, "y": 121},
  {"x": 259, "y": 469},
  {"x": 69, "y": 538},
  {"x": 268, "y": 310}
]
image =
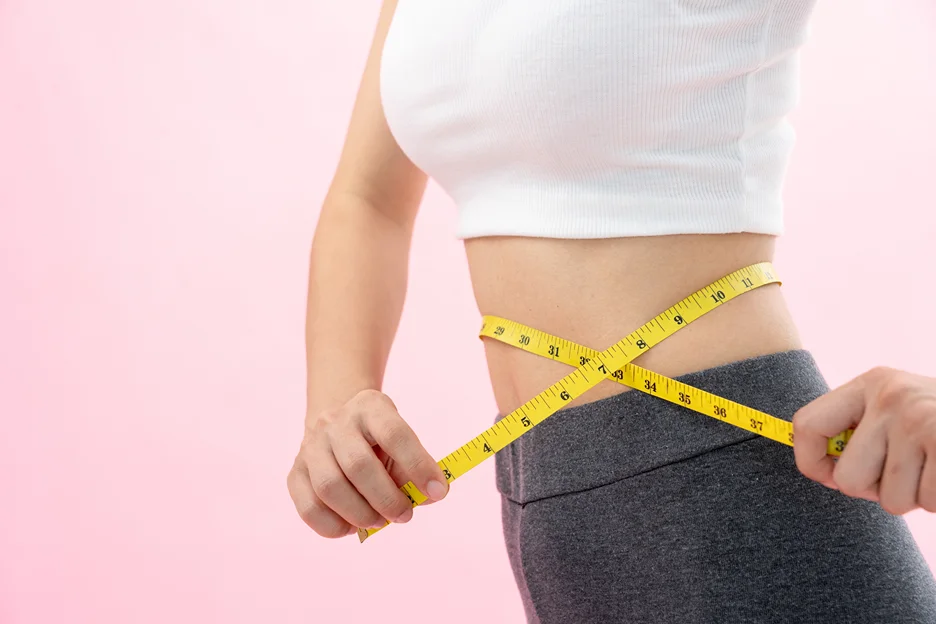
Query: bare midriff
[{"x": 596, "y": 291}]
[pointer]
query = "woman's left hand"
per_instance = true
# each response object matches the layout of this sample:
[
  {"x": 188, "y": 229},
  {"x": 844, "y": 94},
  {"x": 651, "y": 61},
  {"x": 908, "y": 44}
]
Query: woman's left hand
[{"x": 891, "y": 457}]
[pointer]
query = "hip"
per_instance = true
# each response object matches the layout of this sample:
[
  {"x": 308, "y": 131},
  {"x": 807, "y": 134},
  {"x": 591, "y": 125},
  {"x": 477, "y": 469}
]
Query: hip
[{"x": 634, "y": 509}]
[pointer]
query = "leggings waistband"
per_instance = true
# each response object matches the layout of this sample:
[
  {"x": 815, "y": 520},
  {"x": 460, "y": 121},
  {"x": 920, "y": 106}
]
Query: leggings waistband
[{"x": 613, "y": 438}]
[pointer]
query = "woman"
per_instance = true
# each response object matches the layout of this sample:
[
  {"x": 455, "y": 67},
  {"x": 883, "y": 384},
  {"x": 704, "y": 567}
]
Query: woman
[{"x": 629, "y": 153}]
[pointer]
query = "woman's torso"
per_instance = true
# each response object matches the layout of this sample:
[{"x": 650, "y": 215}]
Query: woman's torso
[{"x": 604, "y": 157}]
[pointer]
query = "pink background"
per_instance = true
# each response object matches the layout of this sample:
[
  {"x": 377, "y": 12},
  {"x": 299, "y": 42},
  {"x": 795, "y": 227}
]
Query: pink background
[{"x": 161, "y": 165}]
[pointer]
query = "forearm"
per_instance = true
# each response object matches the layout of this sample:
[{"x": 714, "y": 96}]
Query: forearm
[{"x": 357, "y": 285}]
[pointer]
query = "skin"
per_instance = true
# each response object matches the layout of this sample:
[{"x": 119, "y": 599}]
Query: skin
[{"x": 357, "y": 449}]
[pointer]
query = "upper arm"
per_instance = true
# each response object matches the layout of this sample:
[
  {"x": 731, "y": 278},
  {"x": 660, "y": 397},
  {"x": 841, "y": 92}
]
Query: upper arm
[{"x": 372, "y": 166}]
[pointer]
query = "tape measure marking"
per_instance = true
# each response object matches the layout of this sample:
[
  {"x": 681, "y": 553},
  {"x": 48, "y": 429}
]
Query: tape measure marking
[
  {"x": 658, "y": 385},
  {"x": 593, "y": 367}
]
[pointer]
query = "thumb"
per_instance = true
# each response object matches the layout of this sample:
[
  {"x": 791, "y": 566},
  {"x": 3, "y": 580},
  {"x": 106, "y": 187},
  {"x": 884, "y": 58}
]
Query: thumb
[
  {"x": 824, "y": 418},
  {"x": 397, "y": 473}
]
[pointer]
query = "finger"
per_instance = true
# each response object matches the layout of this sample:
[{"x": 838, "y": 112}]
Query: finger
[
  {"x": 383, "y": 426},
  {"x": 824, "y": 418},
  {"x": 369, "y": 476},
  {"x": 858, "y": 471},
  {"x": 333, "y": 488},
  {"x": 313, "y": 512},
  {"x": 900, "y": 478},
  {"x": 396, "y": 472},
  {"x": 926, "y": 496}
]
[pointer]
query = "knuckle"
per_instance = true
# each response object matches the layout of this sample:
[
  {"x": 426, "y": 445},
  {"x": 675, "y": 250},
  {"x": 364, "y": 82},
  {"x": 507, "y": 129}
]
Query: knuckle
[
  {"x": 396, "y": 433},
  {"x": 309, "y": 511},
  {"x": 318, "y": 434},
  {"x": 894, "y": 389},
  {"x": 321, "y": 428},
  {"x": 393, "y": 504},
  {"x": 420, "y": 466},
  {"x": 328, "y": 418},
  {"x": 317, "y": 428},
  {"x": 370, "y": 399},
  {"x": 847, "y": 484},
  {"x": 327, "y": 486},
  {"x": 879, "y": 374},
  {"x": 295, "y": 472},
  {"x": 800, "y": 423},
  {"x": 358, "y": 465},
  {"x": 315, "y": 515}
]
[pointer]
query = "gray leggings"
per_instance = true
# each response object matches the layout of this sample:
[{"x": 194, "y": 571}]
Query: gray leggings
[{"x": 631, "y": 509}]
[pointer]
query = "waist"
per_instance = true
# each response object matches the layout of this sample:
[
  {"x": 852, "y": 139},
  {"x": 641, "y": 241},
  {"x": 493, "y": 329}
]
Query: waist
[{"x": 596, "y": 291}]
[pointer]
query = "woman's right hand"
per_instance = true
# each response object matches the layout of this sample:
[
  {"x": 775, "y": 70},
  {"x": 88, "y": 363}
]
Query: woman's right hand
[{"x": 352, "y": 463}]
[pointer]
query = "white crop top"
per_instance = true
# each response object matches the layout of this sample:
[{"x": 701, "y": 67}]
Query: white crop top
[{"x": 598, "y": 118}]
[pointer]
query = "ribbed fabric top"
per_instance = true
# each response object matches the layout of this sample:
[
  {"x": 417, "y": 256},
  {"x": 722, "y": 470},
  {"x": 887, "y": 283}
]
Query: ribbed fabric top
[{"x": 599, "y": 118}]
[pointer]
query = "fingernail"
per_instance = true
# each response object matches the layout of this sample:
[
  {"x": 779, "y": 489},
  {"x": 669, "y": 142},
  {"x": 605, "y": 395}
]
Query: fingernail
[
  {"x": 406, "y": 516},
  {"x": 435, "y": 490}
]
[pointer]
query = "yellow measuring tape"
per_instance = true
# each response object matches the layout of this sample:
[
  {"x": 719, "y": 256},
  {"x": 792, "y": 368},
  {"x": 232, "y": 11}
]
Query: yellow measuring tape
[{"x": 615, "y": 363}]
